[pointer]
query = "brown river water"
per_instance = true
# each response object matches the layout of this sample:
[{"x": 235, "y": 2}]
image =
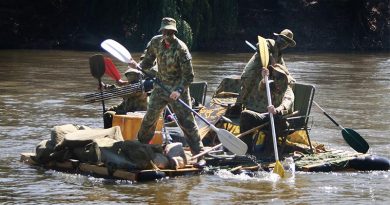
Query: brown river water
[{"x": 42, "y": 89}]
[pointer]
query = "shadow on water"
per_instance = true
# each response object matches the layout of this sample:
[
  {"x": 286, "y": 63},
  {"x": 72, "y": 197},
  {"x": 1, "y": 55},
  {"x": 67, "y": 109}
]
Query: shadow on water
[{"x": 41, "y": 89}]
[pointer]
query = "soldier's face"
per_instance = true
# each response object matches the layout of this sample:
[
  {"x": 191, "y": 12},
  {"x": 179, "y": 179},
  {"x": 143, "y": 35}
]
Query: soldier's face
[
  {"x": 133, "y": 77},
  {"x": 282, "y": 44},
  {"x": 277, "y": 75},
  {"x": 168, "y": 34}
]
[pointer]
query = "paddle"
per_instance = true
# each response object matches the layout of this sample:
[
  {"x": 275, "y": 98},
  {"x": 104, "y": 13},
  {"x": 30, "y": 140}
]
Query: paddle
[
  {"x": 111, "y": 70},
  {"x": 97, "y": 68},
  {"x": 350, "y": 136},
  {"x": 264, "y": 56},
  {"x": 228, "y": 140},
  {"x": 240, "y": 135},
  {"x": 219, "y": 145}
]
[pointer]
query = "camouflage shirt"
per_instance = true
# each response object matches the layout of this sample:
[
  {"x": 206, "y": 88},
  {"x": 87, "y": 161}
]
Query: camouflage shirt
[
  {"x": 137, "y": 101},
  {"x": 274, "y": 53},
  {"x": 253, "y": 93},
  {"x": 173, "y": 63}
]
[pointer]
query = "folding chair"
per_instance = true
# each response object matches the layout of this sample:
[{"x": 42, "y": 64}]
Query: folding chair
[
  {"x": 304, "y": 96},
  {"x": 198, "y": 91}
]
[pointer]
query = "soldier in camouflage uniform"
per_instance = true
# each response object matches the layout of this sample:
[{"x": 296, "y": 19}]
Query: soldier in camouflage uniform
[
  {"x": 257, "y": 103},
  {"x": 253, "y": 68},
  {"x": 135, "y": 101},
  {"x": 132, "y": 102},
  {"x": 176, "y": 73},
  {"x": 253, "y": 95}
]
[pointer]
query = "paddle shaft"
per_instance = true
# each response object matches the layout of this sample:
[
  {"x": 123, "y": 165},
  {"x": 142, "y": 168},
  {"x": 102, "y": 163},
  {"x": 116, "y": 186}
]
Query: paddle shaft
[
  {"x": 157, "y": 81},
  {"x": 251, "y": 45},
  {"x": 271, "y": 117},
  {"x": 328, "y": 116},
  {"x": 173, "y": 117},
  {"x": 101, "y": 94}
]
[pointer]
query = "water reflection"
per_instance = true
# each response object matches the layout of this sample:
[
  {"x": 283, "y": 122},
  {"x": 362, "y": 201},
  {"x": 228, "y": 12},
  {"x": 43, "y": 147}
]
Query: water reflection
[{"x": 42, "y": 89}]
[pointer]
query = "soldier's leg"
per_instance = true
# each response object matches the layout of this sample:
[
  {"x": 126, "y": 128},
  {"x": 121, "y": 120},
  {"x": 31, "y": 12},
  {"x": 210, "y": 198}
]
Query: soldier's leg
[
  {"x": 187, "y": 123},
  {"x": 107, "y": 119},
  {"x": 156, "y": 105},
  {"x": 248, "y": 120}
]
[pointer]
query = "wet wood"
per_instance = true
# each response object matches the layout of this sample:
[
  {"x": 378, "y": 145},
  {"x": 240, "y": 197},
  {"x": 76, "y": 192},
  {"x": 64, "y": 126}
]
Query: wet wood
[{"x": 102, "y": 171}]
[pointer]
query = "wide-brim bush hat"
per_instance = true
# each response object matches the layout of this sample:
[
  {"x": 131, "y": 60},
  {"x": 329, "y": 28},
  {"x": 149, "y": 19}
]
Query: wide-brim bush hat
[
  {"x": 168, "y": 23},
  {"x": 287, "y": 35}
]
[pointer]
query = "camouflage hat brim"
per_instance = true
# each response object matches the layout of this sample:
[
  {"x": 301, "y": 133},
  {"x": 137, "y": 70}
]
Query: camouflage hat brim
[
  {"x": 168, "y": 23},
  {"x": 168, "y": 27},
  {"x": 290, "y": 41},
  {"x": 283, "y": 70},
  {"x": 132, "y": 70}
]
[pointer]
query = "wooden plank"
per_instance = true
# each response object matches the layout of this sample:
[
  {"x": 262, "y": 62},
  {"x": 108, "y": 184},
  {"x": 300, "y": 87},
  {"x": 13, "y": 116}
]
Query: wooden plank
[
  {"x": 27, "y": 158},
  {"x": 85, "y": 168},
  {"x": 103, "y": 171}
]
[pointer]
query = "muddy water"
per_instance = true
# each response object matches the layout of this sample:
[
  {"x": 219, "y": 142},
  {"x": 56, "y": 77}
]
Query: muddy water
[{"x": 41, "y": 89}]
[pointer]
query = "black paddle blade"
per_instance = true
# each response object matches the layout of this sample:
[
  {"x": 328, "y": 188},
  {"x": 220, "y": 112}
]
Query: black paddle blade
[
  {"x": 355, "y": 140},
  {"x": 96, "y": 64}
]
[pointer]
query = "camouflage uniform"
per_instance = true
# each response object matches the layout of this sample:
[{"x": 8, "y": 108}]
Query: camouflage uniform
[
  {"x": 253, "y": 68},
  {"x": 135, "y": 101},
  {"x": 175, "y": 73},
  {"x": 132, "y": 102},
  {"x": 282, "y": 98}
]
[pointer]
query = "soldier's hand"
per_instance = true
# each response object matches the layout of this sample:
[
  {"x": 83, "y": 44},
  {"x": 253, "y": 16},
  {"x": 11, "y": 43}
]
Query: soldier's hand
[
  {"x": 264, "y": 72},
  {"x": 121, "y": 82},
  {"x": 133, "y": 63},
  {"x": 272, "y": 109},
  {"x": 102, "y": 86},
  {"x": 174, "y": 95}
]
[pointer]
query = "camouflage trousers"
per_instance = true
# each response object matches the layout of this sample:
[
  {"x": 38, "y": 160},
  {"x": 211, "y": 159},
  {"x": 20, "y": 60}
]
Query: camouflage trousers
[
  {"x": 158, "y": 100},
  {"x": 250, "y": 119}
]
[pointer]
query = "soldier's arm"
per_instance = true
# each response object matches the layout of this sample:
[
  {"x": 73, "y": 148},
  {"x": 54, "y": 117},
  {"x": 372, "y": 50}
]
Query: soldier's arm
[
  {"x": 149, "y": 57},
  {"x": 287, "y": 101},
  {"x": 187, "y": 71},
  {"x": 248, "y": 78}
]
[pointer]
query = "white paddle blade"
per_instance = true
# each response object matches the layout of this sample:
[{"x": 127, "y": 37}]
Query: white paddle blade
[
  {"x": 231, "y": 142},
  {"x": 117, "y": 50}
]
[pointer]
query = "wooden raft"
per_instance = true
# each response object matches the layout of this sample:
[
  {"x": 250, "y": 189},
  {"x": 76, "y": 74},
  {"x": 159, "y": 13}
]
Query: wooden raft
[
  {"x": 334, "y": 159},
  {"x": 74, "y": 166}
]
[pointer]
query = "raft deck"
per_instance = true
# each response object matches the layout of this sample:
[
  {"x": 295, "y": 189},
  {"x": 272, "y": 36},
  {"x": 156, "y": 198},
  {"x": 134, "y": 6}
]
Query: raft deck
[
  {"x": 331, "y": 160},
  {"x": 74, "y": 166}
]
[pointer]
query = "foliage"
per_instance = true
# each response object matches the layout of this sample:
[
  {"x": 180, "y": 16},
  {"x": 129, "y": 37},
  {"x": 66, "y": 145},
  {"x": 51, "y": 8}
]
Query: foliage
[{"x": 220, "y": 25}]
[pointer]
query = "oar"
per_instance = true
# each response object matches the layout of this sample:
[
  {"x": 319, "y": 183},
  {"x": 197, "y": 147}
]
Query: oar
[
  {"x": 97, "y": 68},
  {"x": 350, "y": 136},
  {"x": 228, "y": 140},
  {"x": 264, "y": 56},
  {"x": 240, "y": 135},
  {"x": 219, "y": 145}
]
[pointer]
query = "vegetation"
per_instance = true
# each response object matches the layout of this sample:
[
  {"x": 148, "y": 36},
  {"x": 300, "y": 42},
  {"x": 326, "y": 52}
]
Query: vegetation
[{"x": 205, "y": 25}]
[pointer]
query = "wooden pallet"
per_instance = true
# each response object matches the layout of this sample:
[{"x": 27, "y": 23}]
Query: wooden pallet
[{"x": 74, "y": 166}]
